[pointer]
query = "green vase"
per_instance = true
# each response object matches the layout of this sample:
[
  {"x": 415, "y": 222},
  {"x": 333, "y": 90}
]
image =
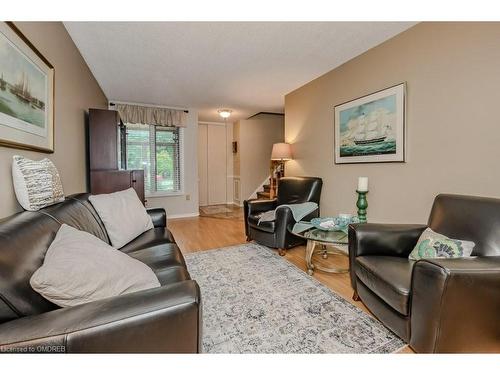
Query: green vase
[{"x": 362, "y": 205}]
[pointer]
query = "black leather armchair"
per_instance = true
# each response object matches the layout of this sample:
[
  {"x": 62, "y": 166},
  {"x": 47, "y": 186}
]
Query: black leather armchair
[
  {"x": 275, "y": 234},
  {"x": 436, "y": 305}
]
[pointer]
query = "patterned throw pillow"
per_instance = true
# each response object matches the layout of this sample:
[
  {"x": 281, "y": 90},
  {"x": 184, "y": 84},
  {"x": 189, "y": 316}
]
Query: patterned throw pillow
[
  {"x": 36, "y": 183},
  {"x": 435, "y": 245}
]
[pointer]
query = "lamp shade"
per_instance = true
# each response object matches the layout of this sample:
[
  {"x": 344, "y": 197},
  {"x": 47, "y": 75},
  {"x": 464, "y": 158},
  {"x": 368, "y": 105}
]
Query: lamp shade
[{"x": 282, "y": 151}]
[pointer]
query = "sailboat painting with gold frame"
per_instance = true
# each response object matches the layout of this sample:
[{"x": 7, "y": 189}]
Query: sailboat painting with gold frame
[
  {"x": 371, "y": 129},
  {"x": 26, "y": 93}
]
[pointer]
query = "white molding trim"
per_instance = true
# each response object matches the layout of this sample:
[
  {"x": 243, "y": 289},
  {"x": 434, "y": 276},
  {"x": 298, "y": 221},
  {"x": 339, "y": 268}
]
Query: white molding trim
[
  {"x": 180, "y": 216},
  {"x": 259, "y": 188}
]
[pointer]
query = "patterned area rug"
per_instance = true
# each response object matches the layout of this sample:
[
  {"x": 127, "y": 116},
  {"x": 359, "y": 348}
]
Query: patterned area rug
[{"x": 254, "y": 301}]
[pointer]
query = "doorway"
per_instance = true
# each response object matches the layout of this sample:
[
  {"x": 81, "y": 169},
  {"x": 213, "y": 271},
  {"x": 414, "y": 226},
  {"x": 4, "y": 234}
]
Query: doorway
[
  {"x": 212, "y": 163},
  {"x": 215, "y": 165}
]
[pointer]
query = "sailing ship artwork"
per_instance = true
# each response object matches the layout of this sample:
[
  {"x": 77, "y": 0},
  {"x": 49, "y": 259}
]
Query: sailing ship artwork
[
  {"x": 370, "y": 129},
  {"x": 22, "y": 86},
  {"x": 26, "y": 93}
]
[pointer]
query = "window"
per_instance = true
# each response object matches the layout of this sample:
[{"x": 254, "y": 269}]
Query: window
[{"x": 157, "y": 150}]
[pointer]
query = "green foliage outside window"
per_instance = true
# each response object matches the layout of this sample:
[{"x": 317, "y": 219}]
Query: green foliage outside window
[{"x": 155, "y": 149}]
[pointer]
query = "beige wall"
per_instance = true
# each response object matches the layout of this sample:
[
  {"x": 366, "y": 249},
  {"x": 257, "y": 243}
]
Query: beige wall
[
  {"x": 452, "y": 72},
  {"x": 76, "y": 90},
  {"x": 256, "y": 139}
]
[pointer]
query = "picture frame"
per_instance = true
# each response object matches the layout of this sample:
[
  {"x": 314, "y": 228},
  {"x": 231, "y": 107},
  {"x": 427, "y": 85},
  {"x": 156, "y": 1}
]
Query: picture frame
[
  {"x": 372, "y": 128},
  {"x": 27, "y": 82}
]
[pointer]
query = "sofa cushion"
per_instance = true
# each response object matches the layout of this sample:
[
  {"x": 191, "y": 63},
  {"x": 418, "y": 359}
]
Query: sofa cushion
[
  {"x": 164, "y": 258},
  {"x": 266, "y": 226},
  {"x": 388, "y": 277},
  {"x": 159, "y": 256},
  {"x": 74, "y": 213},
  {"x": 80, "y": 268},
  {"x": 123, "y": 215},
  {"x": 152, "y": 237}
]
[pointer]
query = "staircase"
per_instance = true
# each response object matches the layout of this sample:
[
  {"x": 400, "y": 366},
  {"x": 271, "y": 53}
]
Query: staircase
[{"x": 266, "y": 193}]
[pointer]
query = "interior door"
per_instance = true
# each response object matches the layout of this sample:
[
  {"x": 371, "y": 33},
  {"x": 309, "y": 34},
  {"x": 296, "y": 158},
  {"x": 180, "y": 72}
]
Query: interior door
[
  {"x": 203, "y": 164},
  {"x": 217, "y": 164}
]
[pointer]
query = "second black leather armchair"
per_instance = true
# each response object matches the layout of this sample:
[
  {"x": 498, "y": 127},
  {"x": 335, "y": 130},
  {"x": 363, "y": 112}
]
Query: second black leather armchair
[
  {"x": 435, "y": 305},
  {"x": 275, "y": 233}
]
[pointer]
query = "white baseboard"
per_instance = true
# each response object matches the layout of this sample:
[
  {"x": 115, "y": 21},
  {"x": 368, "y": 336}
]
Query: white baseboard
[{"x": 180, "y": 216}]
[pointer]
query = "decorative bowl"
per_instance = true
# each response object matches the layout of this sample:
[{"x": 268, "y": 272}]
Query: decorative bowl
[{"x": 337, "y": 223}]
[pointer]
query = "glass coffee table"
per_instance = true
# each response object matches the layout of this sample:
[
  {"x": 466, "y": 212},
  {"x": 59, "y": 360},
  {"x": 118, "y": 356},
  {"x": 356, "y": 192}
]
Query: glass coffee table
[{"x": 324, "y": 243}]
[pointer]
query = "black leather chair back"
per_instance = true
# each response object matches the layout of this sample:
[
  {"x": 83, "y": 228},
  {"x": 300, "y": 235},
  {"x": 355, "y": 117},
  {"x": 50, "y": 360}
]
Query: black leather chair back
[
  {"x": 299, "y": 190},
  {"x": 24, "y": 240},
  {"x": 468, "y": 218}
]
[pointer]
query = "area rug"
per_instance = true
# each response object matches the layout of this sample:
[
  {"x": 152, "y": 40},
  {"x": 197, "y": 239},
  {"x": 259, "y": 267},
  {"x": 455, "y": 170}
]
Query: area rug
[
  {"x": 255, "y": 301},
  {"x": 222, "y": 211}
]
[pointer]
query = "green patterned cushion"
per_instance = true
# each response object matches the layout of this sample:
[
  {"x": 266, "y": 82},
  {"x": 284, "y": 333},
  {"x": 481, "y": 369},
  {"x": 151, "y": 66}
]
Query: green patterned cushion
[{"x": 435, "y": 245}]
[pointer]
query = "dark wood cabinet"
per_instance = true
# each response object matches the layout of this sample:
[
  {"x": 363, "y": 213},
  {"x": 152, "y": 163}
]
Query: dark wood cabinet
[
  {"x": 103, "y": 141},
  {"x": 103, "y": 182},
  {"x": 104, "y": 175}
]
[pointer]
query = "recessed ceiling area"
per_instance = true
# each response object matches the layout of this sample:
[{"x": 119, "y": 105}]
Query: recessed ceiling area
[{"x": 247, "y": 67}]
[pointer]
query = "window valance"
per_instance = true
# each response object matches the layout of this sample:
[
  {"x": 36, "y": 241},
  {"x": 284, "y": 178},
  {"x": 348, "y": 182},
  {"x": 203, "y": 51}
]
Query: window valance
[{"x": 137, "y": 114}]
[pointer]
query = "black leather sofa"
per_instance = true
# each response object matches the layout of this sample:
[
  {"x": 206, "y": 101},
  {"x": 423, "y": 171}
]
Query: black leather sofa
[
  {"x": 275, "y": 233},
  {"x": 165, "y": 319},
  {"x": 435, "y": 305}
]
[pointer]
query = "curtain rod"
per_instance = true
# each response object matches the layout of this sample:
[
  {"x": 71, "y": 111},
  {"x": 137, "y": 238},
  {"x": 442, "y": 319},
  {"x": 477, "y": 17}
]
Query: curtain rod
[{"x": 113, "y": 104}]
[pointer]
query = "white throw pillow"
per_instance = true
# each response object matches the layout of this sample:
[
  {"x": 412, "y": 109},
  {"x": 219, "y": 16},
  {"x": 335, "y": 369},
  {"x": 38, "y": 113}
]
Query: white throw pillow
[
  {"x": 80, "y": 268},
  {"x": 36, "y": 183},
  {"x": 123, "y": 215}
]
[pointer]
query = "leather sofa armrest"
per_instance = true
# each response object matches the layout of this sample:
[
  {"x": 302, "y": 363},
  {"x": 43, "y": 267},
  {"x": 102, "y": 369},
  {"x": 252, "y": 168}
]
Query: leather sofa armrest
[
  {"x": 165, "y": 319},
  {"x": 159, "y": 217},
  {"x": 285, "y": 219},
  {"x": 455, "y": 305},
  {"x": 383, "y": 239},
  {"x": 260, "y": 205},
  {"x": 254, "y": 205}
]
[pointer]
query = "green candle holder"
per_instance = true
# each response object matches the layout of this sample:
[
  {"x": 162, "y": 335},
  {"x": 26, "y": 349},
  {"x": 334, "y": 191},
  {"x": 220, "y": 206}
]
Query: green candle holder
[{"x": 362, "y": 205}]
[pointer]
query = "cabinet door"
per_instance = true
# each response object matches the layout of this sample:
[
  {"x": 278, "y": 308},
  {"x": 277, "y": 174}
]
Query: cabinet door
[
  {"x": 105, "y": 182},
  {"x": 103, "y": 134}
]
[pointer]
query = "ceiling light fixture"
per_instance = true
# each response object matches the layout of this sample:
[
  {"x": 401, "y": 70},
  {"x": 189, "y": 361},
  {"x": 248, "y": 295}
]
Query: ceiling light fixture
[{"x": 224, "y": 113}]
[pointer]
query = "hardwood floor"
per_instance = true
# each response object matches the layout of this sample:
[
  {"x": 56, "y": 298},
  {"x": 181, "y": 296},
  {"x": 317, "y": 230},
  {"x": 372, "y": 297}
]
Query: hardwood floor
[{"x": 204, "y": 233}]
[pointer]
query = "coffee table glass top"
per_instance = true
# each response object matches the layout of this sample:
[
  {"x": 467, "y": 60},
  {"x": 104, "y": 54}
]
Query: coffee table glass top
[{"x": 314, "y": 234}]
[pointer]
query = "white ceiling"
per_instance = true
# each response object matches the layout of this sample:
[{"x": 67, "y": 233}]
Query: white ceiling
[{"x": 245, "y": 66}]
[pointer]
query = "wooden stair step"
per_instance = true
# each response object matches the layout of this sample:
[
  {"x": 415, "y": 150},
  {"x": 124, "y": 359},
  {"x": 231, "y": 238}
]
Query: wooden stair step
[
  {"x": 267, "y": 187},
  {"x": 263, "y": 194}
]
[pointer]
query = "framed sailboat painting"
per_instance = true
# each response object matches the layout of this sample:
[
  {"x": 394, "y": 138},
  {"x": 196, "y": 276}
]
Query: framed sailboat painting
[
  {"x": 371, "y": 129},
  {"x": 26, "y": 93}
]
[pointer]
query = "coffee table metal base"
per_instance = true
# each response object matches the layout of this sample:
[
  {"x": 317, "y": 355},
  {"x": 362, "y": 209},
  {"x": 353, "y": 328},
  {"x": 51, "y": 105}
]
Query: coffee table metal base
[{"x": 312, "y": 248}]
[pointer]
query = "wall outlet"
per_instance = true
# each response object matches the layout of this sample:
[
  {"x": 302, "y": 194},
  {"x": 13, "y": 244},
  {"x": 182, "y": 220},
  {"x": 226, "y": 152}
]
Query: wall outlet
[{"x": 188, "y": 197}]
